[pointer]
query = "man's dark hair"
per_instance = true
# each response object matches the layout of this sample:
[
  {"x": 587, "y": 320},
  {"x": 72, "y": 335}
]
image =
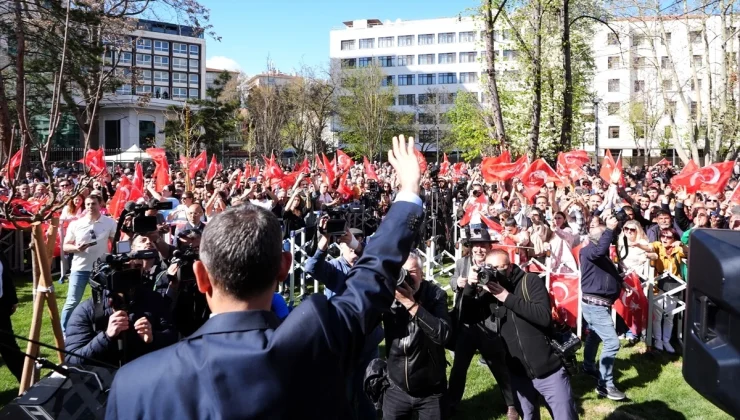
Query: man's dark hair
[
  {"x": 510, "y": 222},
  {"x": 663, "y": 212},
  {"x": 241, "y": 248}
]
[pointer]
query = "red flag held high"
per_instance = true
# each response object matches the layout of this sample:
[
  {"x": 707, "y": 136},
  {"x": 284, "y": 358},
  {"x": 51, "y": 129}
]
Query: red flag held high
[
  {"x": 422, "y": 161},
  {"x": 343, "y": 189},
  {"x": 735, "y": 197},
  {"x": 444, "y": 167},
  {"x": 15, "y": 162},
  {"x": 125, "y": 192},
  {"x": 162, "y": 168},
  {"x": 711, "y": 179},
  {"x": 317, "y": 162},
  {"x": 633, "y": 308},
  {"x": 564, "y": 297},
  {"x": 212, "y": 169},
  {"x": 664, "y": 162},
  {"x": 329, "y": 171},
  {"x": 344, "y": 162},
  {"x": 138, "y": 177},
  {"x": 566, "y": 170},
  {"x": 689, "y": 169},
  {"x": 496, "y": 172},
  {"x": 95, "y": 160},
  {"x": 492, "y": 225},
  {"x": 369, "y": 169},
  {"x": 475, "y": 206},
  {"x": 197, "y": 164},
  {"x": 272, "y": 170},
  {"x": 537, "y": 174},
  {"x": 607, "y": 166}
]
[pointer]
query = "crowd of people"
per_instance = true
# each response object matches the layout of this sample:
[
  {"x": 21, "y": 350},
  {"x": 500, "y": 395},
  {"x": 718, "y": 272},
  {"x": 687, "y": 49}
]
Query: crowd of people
[{"x": 239, "y": 221}]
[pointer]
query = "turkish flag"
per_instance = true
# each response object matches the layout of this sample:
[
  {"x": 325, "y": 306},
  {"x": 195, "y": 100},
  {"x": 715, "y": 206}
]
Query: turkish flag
[
  {"x": 369, "y": 169},
  {"x": 304, "y": 166},
  {"x": 197, "y": 164},
  {"x": 95, "y": 160},
  {"x": 492, "y": 225},
  {"x": 475, "y": 206},
  {"x": 607, "y": 166},
  {"x": 689, "y": 169},
  {"x": 125, "y": 192},
  {"x": 663, "y": 162},
  {"x": 537, "y": 174},
  {"x": 444, "y": 167},
  {"x": 711, "y": 179},
  {"x": 457, "y": 170},
  {"x": 212, "y": 169},
  {"x": 569, "y": 165},
  {"x": 272, "y": 170},
  {"x": 564, "y": 297},
  {"x": 329, "y": 174},
  {"x": 344, "y": 162},
  {"x": 317, "y": 162},
  {"x": 503, "y": 171},
  {"x": 343, "y": 189},
  {"x": 633, "y": 308},
  {"x": 138, "y": 176},
  {"x": 735, "y": 197},
  {"x": 15, "y": 162},
  {"x": 489, "y": 165},
  {"x": 162, "y": 169},
  {"x": 422, "y": 161}
]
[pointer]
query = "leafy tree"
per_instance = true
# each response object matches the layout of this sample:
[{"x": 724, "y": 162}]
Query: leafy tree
[{"x": 468, "y": 130}]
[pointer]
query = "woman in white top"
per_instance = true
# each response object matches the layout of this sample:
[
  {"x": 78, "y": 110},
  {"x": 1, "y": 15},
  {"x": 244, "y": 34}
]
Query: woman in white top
[
  {"x": 562, "y": 242},
  {"x": 71, "y": 212},
  {"x": 636, "y": 259}
]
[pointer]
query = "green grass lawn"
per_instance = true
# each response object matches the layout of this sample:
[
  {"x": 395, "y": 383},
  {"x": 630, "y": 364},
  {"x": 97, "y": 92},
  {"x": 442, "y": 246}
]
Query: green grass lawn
[{"x": 654, "y": 383}]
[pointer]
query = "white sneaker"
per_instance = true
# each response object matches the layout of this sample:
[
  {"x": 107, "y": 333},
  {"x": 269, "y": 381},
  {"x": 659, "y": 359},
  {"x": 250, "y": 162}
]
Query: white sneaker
[
  {"x": 658, "y": 345},
  {"x": 668, "y": 348}
]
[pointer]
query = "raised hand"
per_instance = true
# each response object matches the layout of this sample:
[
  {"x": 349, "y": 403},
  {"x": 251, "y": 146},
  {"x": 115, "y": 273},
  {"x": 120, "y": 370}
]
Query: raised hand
[{"x": 403, "y": 159}]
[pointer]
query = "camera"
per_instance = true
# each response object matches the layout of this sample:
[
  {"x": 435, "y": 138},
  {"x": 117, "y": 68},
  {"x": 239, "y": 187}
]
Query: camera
[
  {"x": 184, "y": 259},
  {"x": 488, "y": 274},
  {"x": 112, "y": 274},
  {"x": 140, "y": 223},
  {"x": 405, "y": 277},
  {"x": 337, "y": 223}
]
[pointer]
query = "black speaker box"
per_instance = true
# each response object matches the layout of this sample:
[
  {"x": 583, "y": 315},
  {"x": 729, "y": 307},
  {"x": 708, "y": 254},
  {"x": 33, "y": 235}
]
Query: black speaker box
[{"x": 711, "y": 362}]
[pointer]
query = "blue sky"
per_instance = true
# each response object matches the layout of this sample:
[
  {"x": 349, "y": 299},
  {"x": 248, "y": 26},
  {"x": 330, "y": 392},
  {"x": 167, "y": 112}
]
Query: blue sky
[{"x": 296, "y": 32}]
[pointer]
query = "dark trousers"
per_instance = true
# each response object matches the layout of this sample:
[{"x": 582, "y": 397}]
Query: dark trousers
[
  {"x": 556, "y": 390},
  {"x": 9, "y": 349},
  {"x": 470, "y": 339},
  {"x": 398, "y": 405}
]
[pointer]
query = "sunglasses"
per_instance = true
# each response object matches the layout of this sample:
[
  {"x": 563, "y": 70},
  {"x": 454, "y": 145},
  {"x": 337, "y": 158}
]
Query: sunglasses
[
  {"x": 629, "y": 229},
  {"x": 711, "y": 200},
  {"x": 667, "y": 236},
  {"x": 64, "y": 185}
]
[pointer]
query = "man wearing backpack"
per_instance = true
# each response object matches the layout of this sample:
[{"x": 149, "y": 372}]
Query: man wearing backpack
[{"x": 525, "y": 319}]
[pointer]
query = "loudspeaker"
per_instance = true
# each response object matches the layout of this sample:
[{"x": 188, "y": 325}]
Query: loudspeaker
[{"x": 711, "y": 363}]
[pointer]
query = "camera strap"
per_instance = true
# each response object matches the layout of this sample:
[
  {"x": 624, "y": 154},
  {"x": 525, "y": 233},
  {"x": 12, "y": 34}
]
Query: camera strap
[{"x": 99, "y": 319}]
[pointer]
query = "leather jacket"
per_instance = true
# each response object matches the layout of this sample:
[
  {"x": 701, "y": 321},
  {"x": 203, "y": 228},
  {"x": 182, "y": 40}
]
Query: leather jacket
[{"x": 415, "y": 346}]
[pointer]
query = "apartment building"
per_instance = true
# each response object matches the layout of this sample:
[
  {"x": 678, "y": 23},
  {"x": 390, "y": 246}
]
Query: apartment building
[
  {"x": 429, "y": 61},
  {"x": 166, "y": 63}
]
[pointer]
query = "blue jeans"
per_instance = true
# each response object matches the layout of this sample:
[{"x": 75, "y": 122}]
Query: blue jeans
[
  {"x": 601, "y": 329},
  {"x": 77, "y": 282}
]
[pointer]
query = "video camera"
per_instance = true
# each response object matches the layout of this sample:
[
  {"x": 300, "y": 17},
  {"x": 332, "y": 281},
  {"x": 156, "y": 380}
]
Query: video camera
[
  {"x": 184, "y": 258},
  {"x": 111, "y": 274},
  {"x": 141, "y": 223},
  {"x": 337, "y": 223},
  {"x": 371, "y": 198}
]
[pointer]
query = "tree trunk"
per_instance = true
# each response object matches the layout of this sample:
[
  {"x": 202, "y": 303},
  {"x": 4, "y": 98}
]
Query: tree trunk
[
  {"x": 5, "y": 121},
  {"x": 20, "y": 79},
  {"x": 566, "y": 125},
  {"x": 534, "y": 133},
  {"x": 494, "y": 120}
]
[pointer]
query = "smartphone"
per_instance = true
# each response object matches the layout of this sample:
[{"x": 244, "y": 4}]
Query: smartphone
[{"x": 548, "y": 214}]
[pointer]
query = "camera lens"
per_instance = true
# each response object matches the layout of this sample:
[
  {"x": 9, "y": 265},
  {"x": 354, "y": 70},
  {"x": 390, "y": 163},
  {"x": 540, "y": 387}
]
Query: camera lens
[{"x": 403, "y": 277}]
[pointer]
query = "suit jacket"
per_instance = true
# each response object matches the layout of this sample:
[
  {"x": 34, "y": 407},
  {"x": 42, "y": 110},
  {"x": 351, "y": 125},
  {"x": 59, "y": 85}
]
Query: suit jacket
[
  {"x": 246, "y": 365},
  {"x": 9, "y": 296}
]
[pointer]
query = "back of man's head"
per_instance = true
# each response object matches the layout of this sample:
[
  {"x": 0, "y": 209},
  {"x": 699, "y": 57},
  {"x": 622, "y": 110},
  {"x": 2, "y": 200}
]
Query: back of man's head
[
  {"x": 594, "y": 234},
  {"x": 241, "y": 249}
]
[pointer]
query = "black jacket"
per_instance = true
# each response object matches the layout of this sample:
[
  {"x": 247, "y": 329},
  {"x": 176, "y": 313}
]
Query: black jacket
[
  {"x": 477, "y": 305},
  {"x": 599, "y": 275},
  {"x": 88, "y": 340},
  {"x": 9, "y": 296},
  {"x": 525, "y": 321},
  {"x": 415, "y": 346}
]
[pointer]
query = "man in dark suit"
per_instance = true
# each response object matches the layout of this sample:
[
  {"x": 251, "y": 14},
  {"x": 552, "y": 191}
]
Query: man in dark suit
[
  {"x": 9, "y": 349},
  {"x": 240, "y": 365}
]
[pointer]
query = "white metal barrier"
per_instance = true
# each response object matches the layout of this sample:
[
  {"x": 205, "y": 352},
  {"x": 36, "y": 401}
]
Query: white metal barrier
[{"x": 656, "y": 303}]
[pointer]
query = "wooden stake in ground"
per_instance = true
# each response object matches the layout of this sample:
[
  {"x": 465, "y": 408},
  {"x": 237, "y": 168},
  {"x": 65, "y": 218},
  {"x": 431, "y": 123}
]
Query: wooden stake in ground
[{"x": 42, "y": 253}]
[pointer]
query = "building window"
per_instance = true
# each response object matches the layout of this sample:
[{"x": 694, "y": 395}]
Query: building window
[
  {"x": 406, "y": 99},
  {"x": 193, "y": 93},
  {"x": 123, "y": 90},
  {"x": 124, "y": 58},
  {"x": 143, "y": 89},
  {"x": 446, "y": 38},
  {"x": 666, "y": 40},
  {"x": 426, "y": 39},
  {"x": 612, "y": 39},
  {"x": 468, "y": 57},
  {"x": 693, "y": 85},
  {"x": 179, "y": 78},
  {"x": 509, "y": 55},
  {"x": 194, "y": 79},
  {"x": 695, "y": 37},
  {"x": 638, "y": 40},
  {"x": 367, "y": 43},
  {"x": 668, "y": 84},
  {"x": 446, "y": 58},
  {"x": 426, "y": 79},
  {"x": 693, "y": 109},
  {"x": 161, "y": 76},
  {"x": 385, "y": 42},
  {"x": 108, "y": 57},
  {"x": 670, "y": 108},
  {"x": 162, "y": 46},
  {"x": 160, "y": 61},
  {"x": 612, "y": 108},
  {"x": 447, "y": 98},
  {"x": 613, "y": 85},
  {"x": 638, "y": 62},
  {"x": 427, "y": 119},
  {"x": 364, "y": 61},
  {"x": 144, "y": 60},
  {"x": 614, "y": 132},
  {"x": 144, "y": 44},
  {"x": 179, "y": 93},
  {"x": 469, "y": 77},
  {"x": 194, "y": 49},
  {"x": 178, "y": 48},
  {"x": 426, "y": 59},
  {"x": 405, "y": 79},
  {"x": 386, "y": 81},
  {"x": 426, "y": 136},
  {"x": 612, "y": 62},
  {"x": 639, "y": 131},
  {"x": 145, "y": 75},
  {"x": 161, "y": 92},
  {"x": 639, "y": 86},
  {"x": 665, "y": 63},
  {"x": 466, "y": 36},
  {"x": 405, "y": 60},
  {"x": 194, "y": 65},
  {"x": 180, "y": 63},
  {"x": 427, "y": 98},
  {"x": 405, "y": 40},
  {"x": 348, "y": 45},
  {"x": 349, "y": 63},
  {"x": 447, "y": 78},
  {"x": 386, "y": 61},
  {"x": 696, "y": 61}
]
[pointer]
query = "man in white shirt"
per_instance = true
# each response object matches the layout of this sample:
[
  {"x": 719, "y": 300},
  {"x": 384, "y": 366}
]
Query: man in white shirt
[{"x": 87, "y": 239}]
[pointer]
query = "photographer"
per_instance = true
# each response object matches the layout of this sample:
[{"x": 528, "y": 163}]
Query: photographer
[
  {"x": 143, "y": 323},
  {"x": 525, "y": 318},
  {"x": 476, "y": 329},
  {"x": 416, "y": 330},
  {"x": 189, "y": 307}
]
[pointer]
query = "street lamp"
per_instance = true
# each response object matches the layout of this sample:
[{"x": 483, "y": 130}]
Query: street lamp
[{"x": 596, "y": 102}]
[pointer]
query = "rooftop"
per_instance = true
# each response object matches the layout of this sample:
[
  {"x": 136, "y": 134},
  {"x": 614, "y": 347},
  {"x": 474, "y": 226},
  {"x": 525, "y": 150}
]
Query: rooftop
[{"x": 169, "y": 28}]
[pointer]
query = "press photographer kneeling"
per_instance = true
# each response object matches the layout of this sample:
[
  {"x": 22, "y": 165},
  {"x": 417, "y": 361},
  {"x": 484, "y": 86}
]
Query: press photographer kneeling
[
  {"x": 526, "y": 320},
  {"x": 124, "y": 319}
]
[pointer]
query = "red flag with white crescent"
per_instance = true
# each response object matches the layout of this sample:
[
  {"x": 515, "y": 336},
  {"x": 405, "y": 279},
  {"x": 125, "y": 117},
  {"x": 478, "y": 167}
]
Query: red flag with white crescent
[
  {"x": 344, "y": 162},
  {"x": 496, "y": 172},
  {"x": 633, "y": 308},
  {"x": 444, "y": 167},
  {"x": 162, "y": 168},
  {"x": 476, "y": 206},
  {"x": 564, "y": 297},
  {"x": 711, "y": 179},
  {"x": 15, "y": 162},
  {"x": 369, "y": 171},
  {"x": 125, "y": 192},
  {"x": 138, "y": 176},
  {"x": 212, "y": 169},
  {"x": 538, "y": 174}
]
